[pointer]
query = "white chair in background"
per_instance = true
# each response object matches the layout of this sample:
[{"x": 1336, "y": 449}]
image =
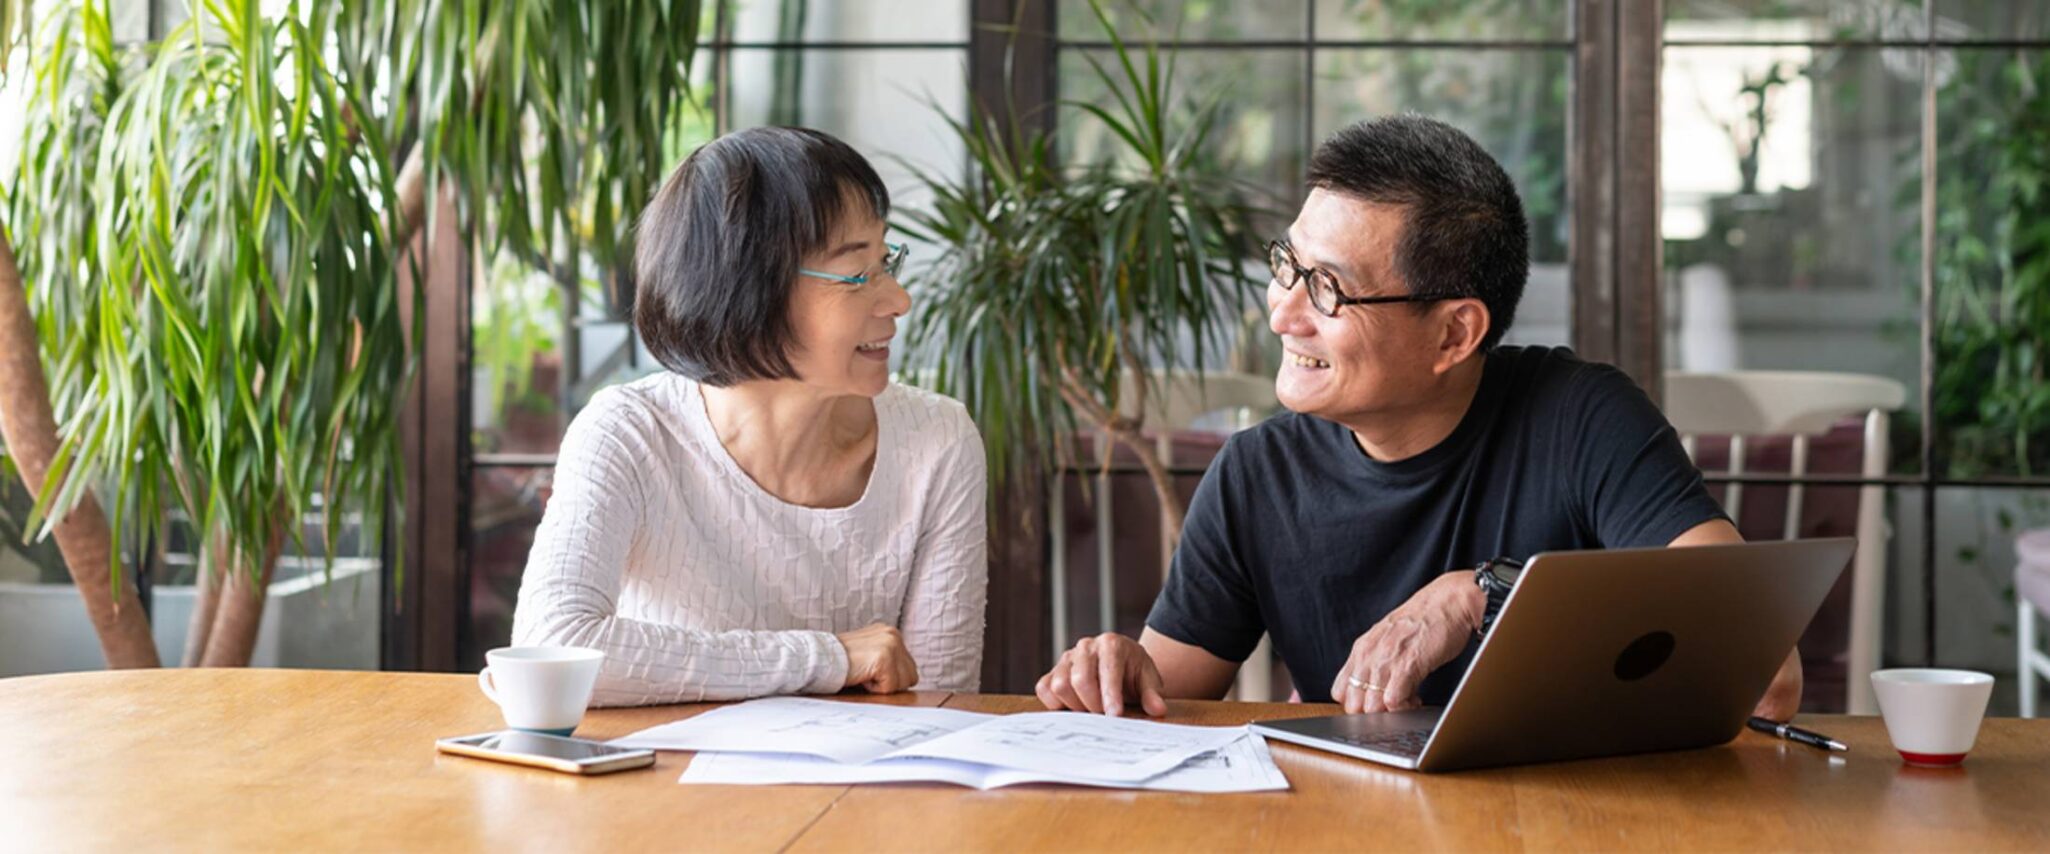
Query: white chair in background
[
  {"x": 1175, "y": 402},
  {"x": 1803, "y": 404}
]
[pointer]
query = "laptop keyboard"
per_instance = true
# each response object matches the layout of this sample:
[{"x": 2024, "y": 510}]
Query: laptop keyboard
[{"x": 1409, "y": 743}]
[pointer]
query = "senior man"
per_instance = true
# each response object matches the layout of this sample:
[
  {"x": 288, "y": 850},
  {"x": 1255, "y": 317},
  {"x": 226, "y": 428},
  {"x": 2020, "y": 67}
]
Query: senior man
[{"x": 1349, "y": 529}]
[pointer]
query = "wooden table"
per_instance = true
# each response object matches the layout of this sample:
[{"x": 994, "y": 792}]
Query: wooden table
[{"x": 306, "y": 760}]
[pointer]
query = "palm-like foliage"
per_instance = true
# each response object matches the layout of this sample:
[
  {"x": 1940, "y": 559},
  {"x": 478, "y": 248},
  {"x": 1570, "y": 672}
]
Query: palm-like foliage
[
  {"x": 1053, "y": 286},
  {"x": 550, "y": 115},
  {"x": 199, "y": 236},
  {"x": 211, "y": 230}
]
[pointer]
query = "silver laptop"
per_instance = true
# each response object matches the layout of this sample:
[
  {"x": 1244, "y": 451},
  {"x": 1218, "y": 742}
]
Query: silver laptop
[{"x": 1602, "y": 653}]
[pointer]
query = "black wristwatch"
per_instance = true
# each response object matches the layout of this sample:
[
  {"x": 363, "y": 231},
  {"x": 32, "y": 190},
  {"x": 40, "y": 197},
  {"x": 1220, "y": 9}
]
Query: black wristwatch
[{"x": 1496, "y": 578}]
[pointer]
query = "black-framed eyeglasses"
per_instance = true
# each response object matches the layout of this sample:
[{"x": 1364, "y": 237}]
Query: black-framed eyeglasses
[{"x": 1324, "y": 291}]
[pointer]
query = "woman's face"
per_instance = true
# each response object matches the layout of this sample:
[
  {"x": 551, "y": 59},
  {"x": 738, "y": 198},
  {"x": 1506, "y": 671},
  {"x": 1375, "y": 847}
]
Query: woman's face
[{"x": 842, "y": 332}]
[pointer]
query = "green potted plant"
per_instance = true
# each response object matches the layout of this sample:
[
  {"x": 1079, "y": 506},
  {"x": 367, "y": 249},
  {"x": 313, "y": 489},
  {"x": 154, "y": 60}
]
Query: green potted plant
[
  {"x": 204, "y": 315},
  {"x": 1057, "y": 290}
]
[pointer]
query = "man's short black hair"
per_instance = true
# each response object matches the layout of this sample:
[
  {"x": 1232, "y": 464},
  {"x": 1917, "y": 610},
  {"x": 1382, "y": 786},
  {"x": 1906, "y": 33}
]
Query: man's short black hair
[
  {"x": 717, "y": 248},
  {"x": 1464, "y": 234}
]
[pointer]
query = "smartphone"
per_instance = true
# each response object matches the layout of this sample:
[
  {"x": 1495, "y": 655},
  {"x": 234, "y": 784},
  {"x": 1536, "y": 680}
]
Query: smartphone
[{"x": 554, "y": 752}]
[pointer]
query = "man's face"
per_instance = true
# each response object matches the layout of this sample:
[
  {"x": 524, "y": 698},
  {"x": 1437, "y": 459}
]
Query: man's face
[{"x": 1370, "y": 359}]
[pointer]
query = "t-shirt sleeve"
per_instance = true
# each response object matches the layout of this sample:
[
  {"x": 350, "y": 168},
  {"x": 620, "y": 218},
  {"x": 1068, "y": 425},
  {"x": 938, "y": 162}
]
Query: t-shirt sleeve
[
  {"x": 1208, "y": 600},
  {"x": 1633, "y": 480}
]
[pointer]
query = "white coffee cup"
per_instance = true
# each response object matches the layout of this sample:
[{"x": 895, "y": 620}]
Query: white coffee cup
[
  {"x": 541, "y": 688},
  {"x": 1932, "y": 715}
]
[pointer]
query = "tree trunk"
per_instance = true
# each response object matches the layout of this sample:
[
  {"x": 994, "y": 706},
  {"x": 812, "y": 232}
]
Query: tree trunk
[
  {"x": 206, "y": 601},
  {"x": 411, "y": 187},
  {"x": 30, "y": 429},
  {"x": 233, "y": 639}
]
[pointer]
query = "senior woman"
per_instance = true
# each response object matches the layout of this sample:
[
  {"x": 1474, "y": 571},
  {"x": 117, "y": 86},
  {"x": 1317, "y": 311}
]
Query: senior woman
[{"x": 770, "y": 515}]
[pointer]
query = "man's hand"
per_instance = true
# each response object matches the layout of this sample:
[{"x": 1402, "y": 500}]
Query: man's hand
[
  {"x": 878, "y": 660},
  {"x": 1392, "y": 659},
  {"x": 1100, "y": 674},
  {"x": 1783, "y": 699}
]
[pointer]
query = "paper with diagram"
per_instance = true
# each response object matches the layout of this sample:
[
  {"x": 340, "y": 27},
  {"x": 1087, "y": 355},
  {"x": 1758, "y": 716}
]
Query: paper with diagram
[
  {"x": 1078, "y": 745},
  {"x": 1093, "y": 747},
  {"x": 1241, "y": 766},
  {"x": 842, "y": 732}
]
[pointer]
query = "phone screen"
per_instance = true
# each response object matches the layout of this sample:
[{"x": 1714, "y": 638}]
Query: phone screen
[{"x": 553, "y": 747}]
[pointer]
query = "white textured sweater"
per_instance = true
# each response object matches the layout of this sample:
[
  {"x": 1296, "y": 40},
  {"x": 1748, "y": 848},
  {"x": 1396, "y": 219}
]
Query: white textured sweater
[{"x": 697, "y": 584}]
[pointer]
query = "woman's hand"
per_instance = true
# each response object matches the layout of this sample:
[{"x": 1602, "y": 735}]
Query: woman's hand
[{"x": 877, "y": 659}]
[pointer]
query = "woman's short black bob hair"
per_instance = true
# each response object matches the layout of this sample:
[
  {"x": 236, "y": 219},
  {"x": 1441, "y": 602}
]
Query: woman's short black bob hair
[{"x": 718, "y": 247}]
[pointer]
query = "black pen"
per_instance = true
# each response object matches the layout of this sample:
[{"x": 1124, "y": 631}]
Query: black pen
[{"x": 1794, "y": 733}]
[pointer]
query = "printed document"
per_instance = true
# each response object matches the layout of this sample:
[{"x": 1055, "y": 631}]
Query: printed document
[
  {"x": 1092, "y": 747},
  {"x": 1241, "y": 766}
]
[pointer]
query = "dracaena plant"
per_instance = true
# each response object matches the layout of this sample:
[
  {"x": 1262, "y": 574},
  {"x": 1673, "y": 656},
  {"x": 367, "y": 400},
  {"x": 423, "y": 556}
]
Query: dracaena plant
[{"x": 200, "y": 311}]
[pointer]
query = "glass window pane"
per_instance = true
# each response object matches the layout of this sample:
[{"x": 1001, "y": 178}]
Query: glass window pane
[
  {"x": 516, "y": 358},
  {"x": 1790, "y": 182},
  {"x": 1515, "y": 104},
  {"x": 129, "y": 21},
  {"x": 1992, "y": 19},
  {"x": 520, "y": 402},
  {"x": 1470, "y": 20},
  {"x": 1992, "y": 262},
  {"x": 505, "y": 508},
  {"x": 848, "y": 21},
  {"x": 1905, "y": 639},
  {"x": 1975, "y": 579},
  {"x": 890, "y": 105},
  {"x": 1200, "y": 20},
  {"x": 1259, "y": 95},
  {"x": 1794, "y": 20}
]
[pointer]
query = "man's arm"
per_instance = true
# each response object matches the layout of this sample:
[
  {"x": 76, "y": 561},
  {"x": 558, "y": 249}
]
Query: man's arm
[
  {"x": 1389, "y": 661},
  {"x": 1187, "y": 670},
  {"x": 1783, "y": 699},
  {"x": 1714, "y": 532},
  {"x": 1638, "y": 485},
  {"x": 1208, "y": 603}
]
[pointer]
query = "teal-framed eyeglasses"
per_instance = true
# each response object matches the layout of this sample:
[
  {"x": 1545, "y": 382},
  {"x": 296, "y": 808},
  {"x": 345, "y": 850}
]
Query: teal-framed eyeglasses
[{"x": 892, "y": 262}]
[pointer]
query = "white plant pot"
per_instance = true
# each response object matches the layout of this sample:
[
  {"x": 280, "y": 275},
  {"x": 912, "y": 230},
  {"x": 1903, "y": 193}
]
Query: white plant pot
[{"x": 307, "y": 622}]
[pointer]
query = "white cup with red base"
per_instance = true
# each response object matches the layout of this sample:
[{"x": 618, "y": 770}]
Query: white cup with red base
[{"x": 1932, "y": 715}]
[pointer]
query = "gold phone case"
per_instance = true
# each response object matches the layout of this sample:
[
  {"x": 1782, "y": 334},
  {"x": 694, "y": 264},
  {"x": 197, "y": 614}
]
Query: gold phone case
[{"x": 606, "y": 766}]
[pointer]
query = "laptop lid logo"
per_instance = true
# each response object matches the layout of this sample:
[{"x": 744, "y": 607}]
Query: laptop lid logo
[{"x": 1644, "y": 655}]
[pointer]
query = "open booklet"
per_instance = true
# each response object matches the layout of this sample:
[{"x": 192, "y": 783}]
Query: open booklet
[
  {"x": 1074, "y": 747},
  {"x": 1241, "y": 766}
]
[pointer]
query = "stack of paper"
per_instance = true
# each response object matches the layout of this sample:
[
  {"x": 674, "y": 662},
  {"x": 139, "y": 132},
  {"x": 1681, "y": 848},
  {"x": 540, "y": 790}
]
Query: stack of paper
[{"x": 797, "y": 740}]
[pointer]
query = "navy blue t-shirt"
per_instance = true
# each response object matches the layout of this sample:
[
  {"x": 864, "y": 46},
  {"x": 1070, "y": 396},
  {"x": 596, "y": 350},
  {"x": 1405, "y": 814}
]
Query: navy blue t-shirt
[{"x": 1297, "y": 533}]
